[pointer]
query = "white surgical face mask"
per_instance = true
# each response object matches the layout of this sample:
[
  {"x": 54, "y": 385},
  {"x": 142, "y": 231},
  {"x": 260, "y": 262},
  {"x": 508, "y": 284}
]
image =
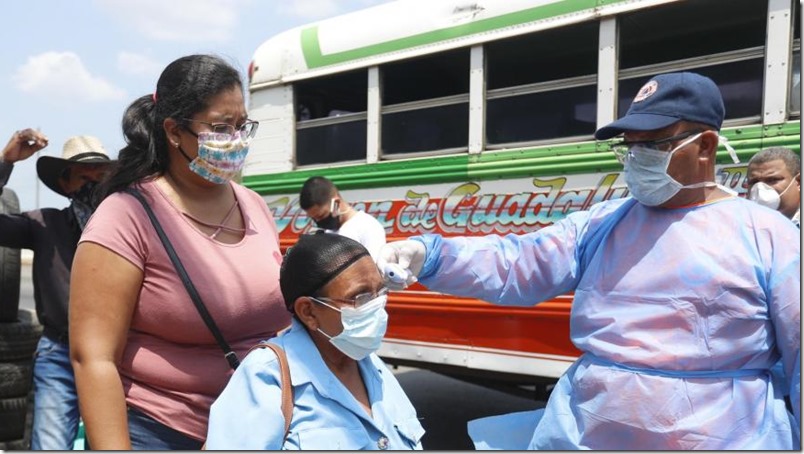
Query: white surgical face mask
[
  {"x": 647, "y": 178},
  {"x": 363, "y": 328},
  {"x": 765, "y": 195}
]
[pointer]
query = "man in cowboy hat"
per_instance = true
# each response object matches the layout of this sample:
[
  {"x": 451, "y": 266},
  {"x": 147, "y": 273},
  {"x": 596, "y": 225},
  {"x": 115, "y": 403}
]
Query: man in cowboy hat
[{"x": 53, "y": 236}]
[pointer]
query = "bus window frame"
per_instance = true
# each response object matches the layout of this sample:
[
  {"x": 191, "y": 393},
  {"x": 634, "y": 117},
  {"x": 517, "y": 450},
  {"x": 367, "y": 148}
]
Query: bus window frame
[
  {"x": 334, "y": 120},
  {"x": 691, "y": 63},
  {"x": 791, "y": 112}
]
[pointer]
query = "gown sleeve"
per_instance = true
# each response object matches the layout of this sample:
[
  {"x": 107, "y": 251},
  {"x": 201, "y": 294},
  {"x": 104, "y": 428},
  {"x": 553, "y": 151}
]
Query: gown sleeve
[
  {"x": 516, "y": 270},
  {"x": 784, "y": 290}
]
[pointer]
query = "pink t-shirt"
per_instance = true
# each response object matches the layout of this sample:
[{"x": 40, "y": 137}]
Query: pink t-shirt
[{"x": 172, "y": 368}]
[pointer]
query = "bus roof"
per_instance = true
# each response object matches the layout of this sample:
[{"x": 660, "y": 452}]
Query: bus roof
[{"x": 409, "y": 28}]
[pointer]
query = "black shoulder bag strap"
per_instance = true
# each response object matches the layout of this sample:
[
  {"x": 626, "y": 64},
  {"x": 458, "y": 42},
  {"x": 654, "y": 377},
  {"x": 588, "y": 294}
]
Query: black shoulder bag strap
[{"x": 230, "y": 355}]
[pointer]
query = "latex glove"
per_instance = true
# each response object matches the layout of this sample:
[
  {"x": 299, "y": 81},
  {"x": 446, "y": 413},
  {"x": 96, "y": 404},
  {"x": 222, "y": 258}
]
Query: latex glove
[{"x": 400, "y": 262}]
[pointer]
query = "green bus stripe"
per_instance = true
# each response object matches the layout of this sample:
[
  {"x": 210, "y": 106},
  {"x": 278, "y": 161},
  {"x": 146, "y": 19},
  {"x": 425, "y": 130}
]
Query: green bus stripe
[
  {"x": 311, "y": 46},
  {"x": 542, "y": 161}
]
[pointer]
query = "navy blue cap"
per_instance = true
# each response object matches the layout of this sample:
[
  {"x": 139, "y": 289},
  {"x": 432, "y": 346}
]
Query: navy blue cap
[{"x": 669, "y": 98}]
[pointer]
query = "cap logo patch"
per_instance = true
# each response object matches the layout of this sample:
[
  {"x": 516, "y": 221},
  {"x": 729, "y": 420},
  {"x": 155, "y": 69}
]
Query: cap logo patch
[{"x": 646, "y": 91}]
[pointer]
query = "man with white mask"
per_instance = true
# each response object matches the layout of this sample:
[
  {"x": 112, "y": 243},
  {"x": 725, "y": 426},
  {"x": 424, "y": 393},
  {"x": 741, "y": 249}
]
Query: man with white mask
[
  {"x": 684, "y": 294},
  {"x": 774, "y": 180},
  {"x": 324, "y": 204}
]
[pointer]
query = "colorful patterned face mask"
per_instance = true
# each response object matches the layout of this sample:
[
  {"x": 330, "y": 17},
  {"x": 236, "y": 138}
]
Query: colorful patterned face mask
[{"x": 220, "y": 156}]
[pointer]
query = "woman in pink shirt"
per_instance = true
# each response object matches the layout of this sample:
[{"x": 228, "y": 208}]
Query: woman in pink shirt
[{"x": 147, "y": 366}]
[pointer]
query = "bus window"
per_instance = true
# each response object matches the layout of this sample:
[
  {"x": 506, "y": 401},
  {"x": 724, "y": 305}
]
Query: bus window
[
  {"x": 537, "y": 116},
  {"x": 340, "y": 142},
  {"x": 729, "y": 50},
  {"x": 537, "y": 90},
  {"x": 690, "y": 29},
  {"x": 331, "y": 118},
  {"x": 426, "y": 103},
  {"x": 740, "y": 84},
  {"x": 434, "y": 128}
]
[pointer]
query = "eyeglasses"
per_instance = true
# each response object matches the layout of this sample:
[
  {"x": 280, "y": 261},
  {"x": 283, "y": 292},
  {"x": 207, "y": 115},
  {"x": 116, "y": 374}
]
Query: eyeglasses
[
  {"x": 622, "y": 149},
  {"x": 356, "y": 302},
  {"x": 247, "y": 130}
]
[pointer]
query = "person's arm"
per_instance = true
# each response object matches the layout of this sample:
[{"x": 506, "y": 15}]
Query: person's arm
[
  {"x": 784, "y": 291},
  {"x": 103, "y": 293},
  {"x": 795, "y": 389},
  {"x": 5, "y": 173},
  {"x": 15, "y": 229},
  {"x": 517, "y": 270},
  {"x": 248, "y": 413},
  {"x": 21, "y": 146}
]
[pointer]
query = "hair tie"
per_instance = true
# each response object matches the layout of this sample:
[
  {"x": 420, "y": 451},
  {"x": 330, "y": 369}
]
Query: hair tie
[{"x": 153, "y": 96}]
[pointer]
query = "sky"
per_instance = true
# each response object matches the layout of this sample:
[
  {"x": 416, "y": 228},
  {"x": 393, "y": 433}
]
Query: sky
[{"x": 71, "y": 67}]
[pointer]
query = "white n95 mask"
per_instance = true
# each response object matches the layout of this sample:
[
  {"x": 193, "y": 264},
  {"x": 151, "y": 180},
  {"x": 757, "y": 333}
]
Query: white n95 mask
[{"x": 765, "y": 195}]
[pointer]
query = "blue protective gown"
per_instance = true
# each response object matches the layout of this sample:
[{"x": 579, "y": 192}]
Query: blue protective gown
[
  {"x": 247, "y": 415},
  {"x": 679, "y": 315}
]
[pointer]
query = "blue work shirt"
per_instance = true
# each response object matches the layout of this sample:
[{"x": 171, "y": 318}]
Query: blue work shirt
[
  {"x": 326, "y": 416},
  {"x": 680, "y": 314}
]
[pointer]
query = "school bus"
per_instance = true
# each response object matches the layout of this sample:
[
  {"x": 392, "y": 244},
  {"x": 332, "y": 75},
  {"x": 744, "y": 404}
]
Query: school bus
[{"x": 477, "y": 118}]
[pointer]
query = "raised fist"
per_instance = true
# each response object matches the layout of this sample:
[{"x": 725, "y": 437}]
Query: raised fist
[{"x": 23, "y": 144}]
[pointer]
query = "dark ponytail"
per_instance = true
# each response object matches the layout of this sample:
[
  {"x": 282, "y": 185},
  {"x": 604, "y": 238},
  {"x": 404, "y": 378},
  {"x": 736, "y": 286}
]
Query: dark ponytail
[
  {"x": 185, "y": 88},
  {"x": 139, "y": 158}
]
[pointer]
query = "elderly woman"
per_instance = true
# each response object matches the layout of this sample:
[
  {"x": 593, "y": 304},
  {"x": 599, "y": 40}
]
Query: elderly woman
[{"x": 343, "y": 395}]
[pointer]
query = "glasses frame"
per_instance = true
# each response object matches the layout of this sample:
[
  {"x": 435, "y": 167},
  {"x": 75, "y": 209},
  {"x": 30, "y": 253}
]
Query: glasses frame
[
  {"x": 622, "y": 149},
  {"x": 230, "y": 129},
  {"x": 369, "y": 296}
]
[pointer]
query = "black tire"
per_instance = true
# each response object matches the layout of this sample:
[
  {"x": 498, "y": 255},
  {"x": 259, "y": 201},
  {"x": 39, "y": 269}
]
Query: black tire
[
  {"x": 18, "y": 340},
  {"x": 16, "y": 379},
  {"x": 15, "y": 445},
  {"x": 24, "y": 443},
  {"x": 9, "y": 264},
  {"x": 12, "y": 417}
]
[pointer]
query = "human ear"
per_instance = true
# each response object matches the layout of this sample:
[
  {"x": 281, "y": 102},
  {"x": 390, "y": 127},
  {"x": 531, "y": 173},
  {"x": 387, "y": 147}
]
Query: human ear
[
  {"x": 303, "y": 308},
  {"x": 709, "y": 144},
  {"x": 171, "y": 128}
]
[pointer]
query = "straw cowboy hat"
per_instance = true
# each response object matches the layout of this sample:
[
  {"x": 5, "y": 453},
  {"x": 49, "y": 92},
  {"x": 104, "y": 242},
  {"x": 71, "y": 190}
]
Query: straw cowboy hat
[{"x": 77, "y": 151}]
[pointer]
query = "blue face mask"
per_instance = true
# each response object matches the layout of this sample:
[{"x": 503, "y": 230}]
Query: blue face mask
[
  {"x": 363, "y": 328},
  {"x": 647, "y": 178}
]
